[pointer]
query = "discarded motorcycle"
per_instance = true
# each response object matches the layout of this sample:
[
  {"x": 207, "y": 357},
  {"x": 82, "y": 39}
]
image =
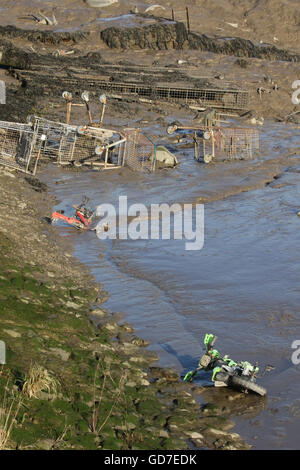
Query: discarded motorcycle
[{"x": 226, "y": 372}]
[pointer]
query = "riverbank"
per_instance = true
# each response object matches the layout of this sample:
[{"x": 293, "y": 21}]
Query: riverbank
[{"x": 72, "y": 384}]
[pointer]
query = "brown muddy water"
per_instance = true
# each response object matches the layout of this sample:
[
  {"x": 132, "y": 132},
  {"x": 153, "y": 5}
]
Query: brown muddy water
[{"x": 243, "y": 285}]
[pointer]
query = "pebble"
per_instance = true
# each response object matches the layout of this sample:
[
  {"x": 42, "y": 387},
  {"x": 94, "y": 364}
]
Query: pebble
[
  {"x": 194, "y": 435},
  {"x": 72, "y": 305},
  {"x": 13, "y": 333},
  {"x": 64, "y": 355}
]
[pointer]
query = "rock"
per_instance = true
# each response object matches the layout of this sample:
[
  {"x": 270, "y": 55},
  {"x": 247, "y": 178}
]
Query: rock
[
  {"x": 173, "y": 427},
  {"x": 145, "y": 382},
  {"x": 127, "y": 327},
  {"x": 197, "y": 442},
  {"x": 218, "y": 432},
  {"x": 13, "y": 333},
  {"x": 111, "y": 326},
  {"x": 131, "y": 384},
  {"x": 136, "y": 359},
  {"x": 125, "y": 427},
  {"x": 72, "y": 305},
  {"x": 45, "y": 444},
  {"x": 129, "y": 348},
  {"x": 64, "y": 355},
  {"x": 98, "y": 312},
  {"x": 194, "y": 435},
  {"x": 139, "y": 341}
]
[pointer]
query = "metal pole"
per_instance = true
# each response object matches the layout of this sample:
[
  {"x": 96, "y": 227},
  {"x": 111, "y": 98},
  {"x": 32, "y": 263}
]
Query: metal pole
[
  {"x": 106, "y": 157},
  {"x": 187, "y": 19},
  {"x": 102, "y": 114},
  {"x": 89, "y": 113}
]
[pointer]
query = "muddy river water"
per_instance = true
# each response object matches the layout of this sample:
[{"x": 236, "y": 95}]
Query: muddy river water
[{"x": 244, "y": 284}]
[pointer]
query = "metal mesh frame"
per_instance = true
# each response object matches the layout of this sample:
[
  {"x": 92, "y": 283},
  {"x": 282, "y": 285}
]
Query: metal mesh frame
[
  {"x": 206, "y": 97},
  {"x": 16, "y": 144},
  {"x": 68, "y": 144},
  {"x": 140, "y": 151},
  {"x": 227, "y": 143}
]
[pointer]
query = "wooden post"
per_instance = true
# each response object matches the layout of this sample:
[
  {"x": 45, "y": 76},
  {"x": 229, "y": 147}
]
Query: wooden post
[
  {"x": 173, "y": 16},
  {"x": 187, "y": 19},
  {"x": 68, "y": 112}
]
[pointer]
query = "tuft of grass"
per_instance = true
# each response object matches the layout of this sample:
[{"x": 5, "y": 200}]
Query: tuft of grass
[
  {"x": 39, "y": 379},
  {"x": 8, "y": 414}
]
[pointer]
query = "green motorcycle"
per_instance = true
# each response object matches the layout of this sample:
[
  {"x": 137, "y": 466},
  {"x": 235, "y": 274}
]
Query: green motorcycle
[{"x": 225, "y": 371}]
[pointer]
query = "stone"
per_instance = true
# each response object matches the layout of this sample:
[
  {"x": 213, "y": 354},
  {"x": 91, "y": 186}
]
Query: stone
[
  {"x": 111, "y": 326},
  {"x": 194, "y": 435},
  {"x": 72, "y": 305},
  {"x": 145, "y": 382},
  {"x": 139, "y": 341},
  {"x": 64, "y": 355},
  {"x": 98, "y": 312},
  {"x": 13, "y": 333},
  {"x": 45, "y": 444}
]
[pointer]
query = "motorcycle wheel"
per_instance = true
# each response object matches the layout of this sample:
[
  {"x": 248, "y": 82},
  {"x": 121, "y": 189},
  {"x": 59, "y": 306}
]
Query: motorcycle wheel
[
  {"x": 245, "y": 384},
  {"x": 222, "y": 377}
]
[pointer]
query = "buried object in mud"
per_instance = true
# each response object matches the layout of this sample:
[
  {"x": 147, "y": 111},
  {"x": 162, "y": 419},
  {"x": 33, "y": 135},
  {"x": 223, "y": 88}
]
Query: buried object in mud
[
  {"x": 164, "y": 158},
  {"x": 226, "y": 372}
]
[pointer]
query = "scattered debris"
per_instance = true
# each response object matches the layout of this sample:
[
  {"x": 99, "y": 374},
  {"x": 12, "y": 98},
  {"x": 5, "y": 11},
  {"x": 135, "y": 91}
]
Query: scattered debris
[
  {"x": 262, "y": 90},
  {"x": 100, "y": 3},
  {"x": 154, "y": 7},
  {"x": 41, "y": 19},
  {"x": 221, "y": 143}
]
